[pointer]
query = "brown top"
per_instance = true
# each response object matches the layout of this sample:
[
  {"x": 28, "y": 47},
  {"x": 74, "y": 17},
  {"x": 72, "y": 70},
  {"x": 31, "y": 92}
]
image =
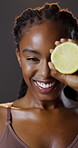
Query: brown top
[{"x": 9, "y": 139}]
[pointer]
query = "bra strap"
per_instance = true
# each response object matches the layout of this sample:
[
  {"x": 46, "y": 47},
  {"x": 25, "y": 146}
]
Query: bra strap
[{"x": 9, "y": 117}]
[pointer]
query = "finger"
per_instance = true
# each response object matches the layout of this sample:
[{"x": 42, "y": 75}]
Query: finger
[
  {"x": 51, "y": 66},
  {"x": 51, "y": 50},
  {"x": 54, "y": 72},
  {"x": 57, "y": 43},
  {"x": 63, "y": 40},
  {"x": 69, "y": 80},
  {"x": 70, "y": 40},
  {"x": 59, "y": 76}
]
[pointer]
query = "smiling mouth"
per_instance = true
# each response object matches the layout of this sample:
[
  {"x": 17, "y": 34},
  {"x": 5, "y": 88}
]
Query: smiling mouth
[
  {"x": 46, "y": 87},
  {"x": 43, "y": 85}
]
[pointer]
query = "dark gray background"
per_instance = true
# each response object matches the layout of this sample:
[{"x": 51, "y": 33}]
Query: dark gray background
[{"x": 10, "y": 72}]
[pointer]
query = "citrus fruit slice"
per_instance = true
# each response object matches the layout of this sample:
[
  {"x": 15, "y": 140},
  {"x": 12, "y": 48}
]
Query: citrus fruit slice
[{"x": 65, "y": 57}]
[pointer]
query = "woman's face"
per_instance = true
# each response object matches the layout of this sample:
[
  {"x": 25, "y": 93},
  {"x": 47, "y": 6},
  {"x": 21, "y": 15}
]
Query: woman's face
[{"x": 34, "y": 56}]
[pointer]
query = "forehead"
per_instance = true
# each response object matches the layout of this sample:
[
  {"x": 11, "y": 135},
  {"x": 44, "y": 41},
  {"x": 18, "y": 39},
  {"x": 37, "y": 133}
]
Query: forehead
[{"x": 43, "y": 34}]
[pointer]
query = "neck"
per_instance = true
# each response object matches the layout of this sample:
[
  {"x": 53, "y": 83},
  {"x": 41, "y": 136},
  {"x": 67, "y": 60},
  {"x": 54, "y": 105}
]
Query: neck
[
  {"x": 31, "y": 101},
  {"x": 52, "y": 104}
]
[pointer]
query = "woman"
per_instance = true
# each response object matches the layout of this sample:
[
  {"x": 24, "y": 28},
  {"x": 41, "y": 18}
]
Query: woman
[{"x": 40, "y": 119}]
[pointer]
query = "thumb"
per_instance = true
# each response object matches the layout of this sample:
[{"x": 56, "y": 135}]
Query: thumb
[{"x": 51, "y": 66}]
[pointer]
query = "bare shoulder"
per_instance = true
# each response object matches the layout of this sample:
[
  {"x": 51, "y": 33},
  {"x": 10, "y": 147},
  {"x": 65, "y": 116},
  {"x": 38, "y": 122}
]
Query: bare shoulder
[
  {"x": 3, "y": 109},
  {"x": 3, "y": 116},
  {"x": 5, "y": 105}
]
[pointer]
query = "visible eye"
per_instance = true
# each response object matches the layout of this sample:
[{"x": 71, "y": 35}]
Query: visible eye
[{"x": 33, "y": 59}]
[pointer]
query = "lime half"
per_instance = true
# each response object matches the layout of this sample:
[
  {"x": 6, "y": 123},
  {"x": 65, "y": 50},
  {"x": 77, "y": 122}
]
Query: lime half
[{"x": 65, "y": 57}]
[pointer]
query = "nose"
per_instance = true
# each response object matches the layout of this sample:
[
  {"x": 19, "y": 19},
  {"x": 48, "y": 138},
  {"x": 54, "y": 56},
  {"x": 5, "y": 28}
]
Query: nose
[{"x": 44, "y": 70}]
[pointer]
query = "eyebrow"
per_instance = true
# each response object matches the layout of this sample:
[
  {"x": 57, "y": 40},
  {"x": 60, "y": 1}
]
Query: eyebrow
[{"x": 30, "y": 50}]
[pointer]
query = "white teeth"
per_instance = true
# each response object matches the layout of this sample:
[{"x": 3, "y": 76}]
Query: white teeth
[{"x": 43, "y": 85}]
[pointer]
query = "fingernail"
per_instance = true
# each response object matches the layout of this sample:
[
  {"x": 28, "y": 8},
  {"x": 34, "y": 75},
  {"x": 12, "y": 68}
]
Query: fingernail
[
  {"x": 51, "y": 65},
  {"x": 56, "y": 42},
  {"x": 62, "y": 39},
  {"x": 51, "y": 50}
]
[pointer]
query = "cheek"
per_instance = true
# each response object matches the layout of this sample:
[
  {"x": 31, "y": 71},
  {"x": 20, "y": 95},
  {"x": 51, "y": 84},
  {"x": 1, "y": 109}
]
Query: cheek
[{"x": 28, "y": 69}]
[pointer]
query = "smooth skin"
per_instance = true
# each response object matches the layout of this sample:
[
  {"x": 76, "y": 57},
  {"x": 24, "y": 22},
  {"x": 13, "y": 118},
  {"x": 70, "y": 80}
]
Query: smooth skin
[{"x": 39, "y": 118}]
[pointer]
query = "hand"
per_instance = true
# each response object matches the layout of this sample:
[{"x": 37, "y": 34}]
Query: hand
[
  {"x": 68, "y": 79},
  {"x": 62, "y": 40}
]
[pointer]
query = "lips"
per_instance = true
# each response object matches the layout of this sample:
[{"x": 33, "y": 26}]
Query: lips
[{"x": 45, "y": 86}]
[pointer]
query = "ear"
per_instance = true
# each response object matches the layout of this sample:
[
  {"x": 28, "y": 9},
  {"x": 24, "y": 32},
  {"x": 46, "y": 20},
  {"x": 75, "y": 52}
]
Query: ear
[{"x": 18, "y": 56}]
